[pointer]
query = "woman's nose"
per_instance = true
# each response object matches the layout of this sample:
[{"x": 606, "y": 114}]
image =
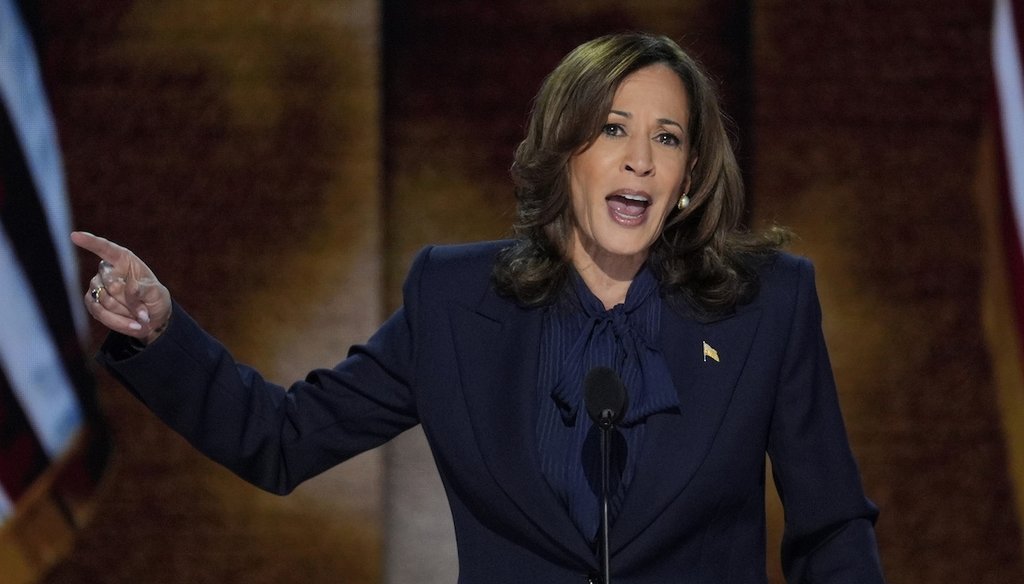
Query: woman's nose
[{"x": 637, "y": 159}]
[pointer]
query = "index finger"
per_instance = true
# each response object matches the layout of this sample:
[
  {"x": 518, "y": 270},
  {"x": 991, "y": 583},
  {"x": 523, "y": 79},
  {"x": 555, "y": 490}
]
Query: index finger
[{"x": 104, "y": 248}]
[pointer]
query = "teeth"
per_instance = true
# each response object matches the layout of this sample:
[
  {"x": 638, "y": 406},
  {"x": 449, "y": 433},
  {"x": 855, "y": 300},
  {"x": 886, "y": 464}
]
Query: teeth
[{"x": 635, "y": 198}]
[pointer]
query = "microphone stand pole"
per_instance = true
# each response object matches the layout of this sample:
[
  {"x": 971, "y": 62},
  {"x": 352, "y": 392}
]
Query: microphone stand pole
[
  {"x": 606, "y": 401},
  {"x": 606, "y": 426}
]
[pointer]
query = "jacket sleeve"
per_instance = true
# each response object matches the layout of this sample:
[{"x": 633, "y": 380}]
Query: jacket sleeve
[
  {"x": 273, "y": 437},
  {"x": 829, "y": 523}
]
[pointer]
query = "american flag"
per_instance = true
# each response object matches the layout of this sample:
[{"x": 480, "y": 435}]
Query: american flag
[{"x": 52, "y": 447}]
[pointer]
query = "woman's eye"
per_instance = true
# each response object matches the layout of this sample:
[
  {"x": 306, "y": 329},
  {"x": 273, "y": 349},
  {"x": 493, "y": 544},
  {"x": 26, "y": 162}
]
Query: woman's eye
[
  {"x": 668, "y": 139},
  {"x": 613, "y": 130}
]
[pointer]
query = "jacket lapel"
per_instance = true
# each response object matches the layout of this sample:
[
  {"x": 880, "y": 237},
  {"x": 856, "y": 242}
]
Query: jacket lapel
[
  {"x": 501, "y": 396},
  {"x": 676, "y": 443}
]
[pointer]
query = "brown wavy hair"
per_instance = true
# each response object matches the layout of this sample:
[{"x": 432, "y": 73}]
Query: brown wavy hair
[{"x": 703, "y": 255}]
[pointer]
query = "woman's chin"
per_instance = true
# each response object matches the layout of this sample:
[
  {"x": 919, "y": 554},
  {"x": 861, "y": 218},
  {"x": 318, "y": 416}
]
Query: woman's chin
[
  {"x": 621, "y": 254},
  {"x": 628, "y": 247}
]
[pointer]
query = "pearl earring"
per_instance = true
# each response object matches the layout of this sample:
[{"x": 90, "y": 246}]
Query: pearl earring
[{"x": 684, "y": 202}]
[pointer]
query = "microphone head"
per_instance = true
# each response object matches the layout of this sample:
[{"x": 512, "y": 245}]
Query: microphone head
[{"x": 605, "y": 397}]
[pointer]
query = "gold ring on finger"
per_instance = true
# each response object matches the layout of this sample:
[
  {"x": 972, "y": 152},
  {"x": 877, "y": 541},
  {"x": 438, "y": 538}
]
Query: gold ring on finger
[{"x": 95, "y": 293}]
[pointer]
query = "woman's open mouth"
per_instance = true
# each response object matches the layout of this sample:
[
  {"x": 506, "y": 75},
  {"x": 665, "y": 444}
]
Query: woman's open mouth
[{"x": 628, "y": 208}]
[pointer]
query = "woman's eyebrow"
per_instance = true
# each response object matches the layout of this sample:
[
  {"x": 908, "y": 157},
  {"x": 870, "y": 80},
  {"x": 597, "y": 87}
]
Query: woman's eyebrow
[{"x": 662, "y": 121}]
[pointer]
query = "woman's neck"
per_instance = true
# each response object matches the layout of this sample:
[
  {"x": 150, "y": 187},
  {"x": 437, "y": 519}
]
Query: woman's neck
[
  {"x": 607, "y": 276},
  {"x": 609, "y": 291}
]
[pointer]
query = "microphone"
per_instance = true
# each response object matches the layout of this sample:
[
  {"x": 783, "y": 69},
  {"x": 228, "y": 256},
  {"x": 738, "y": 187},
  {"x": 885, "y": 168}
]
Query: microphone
[{"x": 605, "y": 397}]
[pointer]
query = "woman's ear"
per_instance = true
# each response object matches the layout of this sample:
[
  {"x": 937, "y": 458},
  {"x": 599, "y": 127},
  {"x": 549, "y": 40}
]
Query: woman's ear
[{"x": 688, "y": 180}]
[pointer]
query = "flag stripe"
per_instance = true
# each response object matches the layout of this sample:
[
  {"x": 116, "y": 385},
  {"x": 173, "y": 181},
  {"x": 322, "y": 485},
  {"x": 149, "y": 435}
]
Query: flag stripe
[
  {"x": 1010, "y": 93},
  {"x": 31, "y": 361},
  {"x": 1017, "y": 12},
  {"x": 1006, "y": 58},
  {"x": 22, "y": 459},
  {"x": 6, "y": 506}
]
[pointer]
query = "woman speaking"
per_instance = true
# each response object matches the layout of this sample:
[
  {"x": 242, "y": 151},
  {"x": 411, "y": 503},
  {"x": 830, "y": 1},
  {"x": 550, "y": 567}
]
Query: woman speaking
[{"x": 628, "y": 255}]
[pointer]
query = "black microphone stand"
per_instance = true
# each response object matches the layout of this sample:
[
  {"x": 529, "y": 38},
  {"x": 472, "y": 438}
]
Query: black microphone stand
[
  {"x": 606, "y": 401},
  {"x": 606, "y": 424}
]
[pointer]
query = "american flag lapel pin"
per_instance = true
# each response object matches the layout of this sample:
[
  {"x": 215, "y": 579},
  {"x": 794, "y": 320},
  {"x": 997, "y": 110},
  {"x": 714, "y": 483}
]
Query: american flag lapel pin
[{"x": 710, "y": 353}]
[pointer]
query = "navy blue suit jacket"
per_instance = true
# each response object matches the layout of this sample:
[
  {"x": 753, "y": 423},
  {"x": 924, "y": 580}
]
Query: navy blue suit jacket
[{"x": 462, "y": 361}]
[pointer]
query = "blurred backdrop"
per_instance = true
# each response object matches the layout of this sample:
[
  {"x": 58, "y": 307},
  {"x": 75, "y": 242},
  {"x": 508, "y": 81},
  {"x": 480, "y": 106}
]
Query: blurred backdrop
[{"x": 278, "y": 162}]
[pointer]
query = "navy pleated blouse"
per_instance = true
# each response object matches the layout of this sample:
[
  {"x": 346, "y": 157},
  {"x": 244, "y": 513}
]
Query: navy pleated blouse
[{"x": 579, "y": 334}]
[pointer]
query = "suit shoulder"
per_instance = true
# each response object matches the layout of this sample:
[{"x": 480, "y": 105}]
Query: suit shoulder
[
  {"x": 460, "y": 259},
  {"x": 462, "y": 254},
  {"x": 782, "y": 265},
  {"x": 781, "y": 276},
  {"x": 457, "y": 269}
]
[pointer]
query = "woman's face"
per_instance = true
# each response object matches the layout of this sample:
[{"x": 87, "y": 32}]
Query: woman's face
[{"x": 624, "y": 185}]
